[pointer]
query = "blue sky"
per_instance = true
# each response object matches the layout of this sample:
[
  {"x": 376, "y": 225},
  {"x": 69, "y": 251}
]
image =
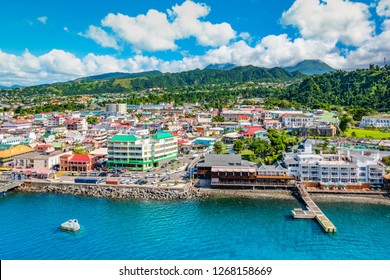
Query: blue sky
[{"x": 42, "y": 41}]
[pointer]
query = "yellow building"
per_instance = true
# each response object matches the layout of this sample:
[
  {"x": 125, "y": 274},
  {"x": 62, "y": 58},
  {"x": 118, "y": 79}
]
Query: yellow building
[{"x": 7, "y": 156}]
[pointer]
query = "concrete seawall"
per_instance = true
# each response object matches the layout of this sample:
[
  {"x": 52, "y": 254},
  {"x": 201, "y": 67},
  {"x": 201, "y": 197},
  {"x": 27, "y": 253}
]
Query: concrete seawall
[{"x": 111, "y": 191}]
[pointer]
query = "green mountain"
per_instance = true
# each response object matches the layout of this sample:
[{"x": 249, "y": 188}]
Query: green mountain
[
  {"x": 311, "y": 67},
  {"x": 124, "y": 82},
  {"x": 119, "y": 75},
  {"x": 368, "y": 88}
]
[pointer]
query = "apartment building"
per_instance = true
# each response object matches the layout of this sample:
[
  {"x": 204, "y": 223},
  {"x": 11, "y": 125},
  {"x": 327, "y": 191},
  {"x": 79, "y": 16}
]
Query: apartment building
[
  {"x": 335, "y": 169},
  {"x": 141, "y": 153},
  {"x": 294, "y": 121},
  {"x": 56, "y": 120},
  {"x": 376, "y": 121},
  {"x": 79, "y": 124},
  {"x": 120, "y": 108},
  {"x": 100, "y": 135},
  {"x": 235, "y": 115},
  {"x": 272, "y": 124}
]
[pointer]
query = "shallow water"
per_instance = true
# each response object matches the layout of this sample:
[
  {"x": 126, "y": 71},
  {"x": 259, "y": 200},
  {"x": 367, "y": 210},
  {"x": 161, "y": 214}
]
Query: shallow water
[{"x": 217, "y": 228}]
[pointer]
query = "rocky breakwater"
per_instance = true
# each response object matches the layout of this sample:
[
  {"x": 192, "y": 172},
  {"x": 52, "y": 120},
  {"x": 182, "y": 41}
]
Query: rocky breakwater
[{"x": 112, "y": 192}]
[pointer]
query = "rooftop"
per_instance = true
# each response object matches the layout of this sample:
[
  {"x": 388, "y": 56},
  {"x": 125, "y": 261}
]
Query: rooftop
[
  {"x": 80, "y": 158},
  {"x": 163, "y": 135},
  {"x": 14, "y": 151},
  {"x": 211, "y": 160},
  {"x": 123, "y": 138}
]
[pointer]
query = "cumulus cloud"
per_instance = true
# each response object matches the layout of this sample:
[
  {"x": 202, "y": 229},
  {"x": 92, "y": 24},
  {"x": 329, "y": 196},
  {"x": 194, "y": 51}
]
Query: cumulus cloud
[
  {"x": 150, "y": 32},
  {"x": 372, "y": 51},
  {"x": 43, "y": 19},
  {"x": 59, "y": 65},
  {"x": 331, "y": 20},
  {"x": 101, "y": 37},
  {"x": 159, "y": 31},
  {"x": 156, "y": 31},
  {"x": 383, "y": 8}
]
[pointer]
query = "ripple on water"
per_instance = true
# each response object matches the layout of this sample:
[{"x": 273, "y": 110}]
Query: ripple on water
[{"x": 223, "y": 228}]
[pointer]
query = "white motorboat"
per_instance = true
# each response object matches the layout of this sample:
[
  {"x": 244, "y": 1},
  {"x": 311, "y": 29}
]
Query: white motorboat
[{"x": 71, "y": 225}]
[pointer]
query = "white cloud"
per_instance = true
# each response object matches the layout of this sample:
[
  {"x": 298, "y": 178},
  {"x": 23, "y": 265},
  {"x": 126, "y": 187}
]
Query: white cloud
[
  {"x": 158, "y": 31},
  {"x": 271, "y": 51},
  {"x": 150, "y": 32},
  {"x": 43, "y": 19},
  {"x": 186, "y": 23},
  {"x": 245, "y": 35},
  {"x": 101, "y": 37},
  {"x": 331, "y": 20},
  {"x": 383, "y": 8},
  {"x": 371, "y": 52}
]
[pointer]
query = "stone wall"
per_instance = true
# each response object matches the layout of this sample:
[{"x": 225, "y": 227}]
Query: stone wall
[{"x": 111, "y": 191}]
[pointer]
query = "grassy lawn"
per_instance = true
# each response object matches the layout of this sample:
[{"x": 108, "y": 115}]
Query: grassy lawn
[
  {"x": 364, "y": 133},
  {"x": 246, "y": 152}
]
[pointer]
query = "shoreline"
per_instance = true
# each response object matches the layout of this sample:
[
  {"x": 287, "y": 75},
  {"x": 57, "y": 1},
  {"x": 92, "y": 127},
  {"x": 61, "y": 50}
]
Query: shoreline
[{"x": 198, "y": 193}]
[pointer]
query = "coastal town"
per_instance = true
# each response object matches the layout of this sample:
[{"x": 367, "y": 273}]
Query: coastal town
[{"x": 187, "y": 147}]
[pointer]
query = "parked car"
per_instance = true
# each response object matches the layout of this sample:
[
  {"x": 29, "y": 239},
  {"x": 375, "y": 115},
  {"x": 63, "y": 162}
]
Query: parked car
[
  {"x": 103, "y": 174},
  {"x": 165, "y": 178}
]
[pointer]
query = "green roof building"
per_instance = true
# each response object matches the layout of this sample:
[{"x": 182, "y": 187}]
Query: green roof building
[{"x": 141, "y": 153}]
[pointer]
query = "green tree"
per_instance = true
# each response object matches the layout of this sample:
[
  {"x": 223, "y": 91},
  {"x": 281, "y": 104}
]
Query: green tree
[
  {"x": 218, "y": 119},
  {"x": 218, "y": 147},
  {"x": 386, "y": 160},
  {"x": 92, "y": 120},
  {"x": 345, "y": 121},
  {"x": 80, "y": 152},
  {"x": 238, "y": 145}
]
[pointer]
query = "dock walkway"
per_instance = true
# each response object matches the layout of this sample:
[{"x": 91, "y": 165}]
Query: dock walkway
[{"x": 319, "y": 215}]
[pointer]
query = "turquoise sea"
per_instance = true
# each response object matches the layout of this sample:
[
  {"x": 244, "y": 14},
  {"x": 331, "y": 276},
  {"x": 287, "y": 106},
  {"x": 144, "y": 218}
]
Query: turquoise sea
[{"x": 223, "y": 228}]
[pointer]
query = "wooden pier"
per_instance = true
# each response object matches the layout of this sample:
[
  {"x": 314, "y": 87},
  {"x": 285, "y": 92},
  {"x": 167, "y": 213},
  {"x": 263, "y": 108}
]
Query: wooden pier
[{"x": 313, "y": 208}]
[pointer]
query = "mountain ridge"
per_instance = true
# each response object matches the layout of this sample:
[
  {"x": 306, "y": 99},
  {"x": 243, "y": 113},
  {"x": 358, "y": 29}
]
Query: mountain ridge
[{"x": 311, "y": 67}]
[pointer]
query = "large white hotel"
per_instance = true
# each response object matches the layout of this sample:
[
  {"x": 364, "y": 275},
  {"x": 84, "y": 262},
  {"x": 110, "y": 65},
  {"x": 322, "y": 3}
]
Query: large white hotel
[{"x": 341, "y": 168}]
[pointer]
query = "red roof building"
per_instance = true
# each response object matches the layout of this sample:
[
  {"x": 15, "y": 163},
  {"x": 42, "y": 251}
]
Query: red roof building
[
  {"x": 250, "y": 131},
  {"x": 77, "y": 162},
  {"x": 242, "y": 118}
]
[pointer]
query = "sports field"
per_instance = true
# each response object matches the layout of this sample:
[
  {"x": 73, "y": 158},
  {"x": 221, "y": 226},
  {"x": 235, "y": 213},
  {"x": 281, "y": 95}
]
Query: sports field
[{"x": 364, "y": 133}]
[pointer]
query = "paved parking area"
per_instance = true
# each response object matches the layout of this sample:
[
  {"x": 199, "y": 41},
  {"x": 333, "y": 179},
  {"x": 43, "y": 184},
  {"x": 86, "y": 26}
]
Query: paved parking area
[{"x": 167, "y": 172}]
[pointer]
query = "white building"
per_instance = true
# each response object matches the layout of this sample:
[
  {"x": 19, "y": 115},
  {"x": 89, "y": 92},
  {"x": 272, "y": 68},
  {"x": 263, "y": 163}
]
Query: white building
[
  {"x": 233, "y": 115},
  {"x": 376, "y": 121},
  {"x": 272, "y": 124},
  {"x": 291, "y": 121},
  {"x": 56, "y": 121},
  {"x": 120, "y": 108},
  {"x": 335, "y": 168},
  {"x": 9, "y": 140},
  {"x": 38, "y": 160}
]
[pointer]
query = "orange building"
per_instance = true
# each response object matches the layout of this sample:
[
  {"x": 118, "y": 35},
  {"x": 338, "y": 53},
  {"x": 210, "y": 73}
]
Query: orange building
[{"x": 78, "y": 162}]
